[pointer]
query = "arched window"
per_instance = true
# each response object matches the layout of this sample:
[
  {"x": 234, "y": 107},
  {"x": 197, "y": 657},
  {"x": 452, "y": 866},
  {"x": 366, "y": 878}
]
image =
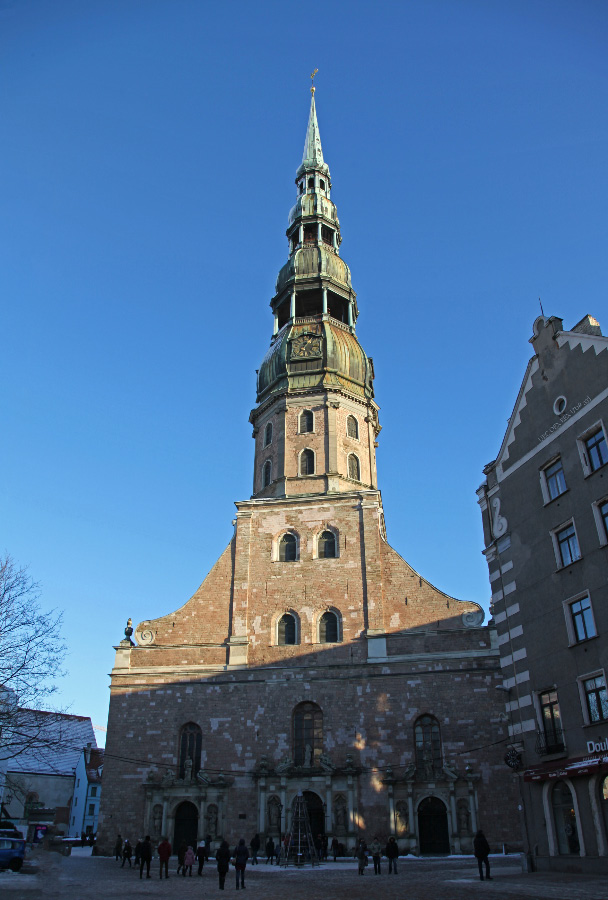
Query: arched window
[
  {"x": 322, "y": 184},
  {"x": 307, "y": 421},
  {"x": 307, "y": 462},
  {"x": 564, "y": 818},
  {"x": 286, "y": 629},
  {"x": 288, "y": 548},
  {"x": 428, "y": 745},
  {"x": 327, "y": 545},
  {"x": 268, "y": 434},
  {"x": 307, "y": 734},
  {"x": 352, "y": 427},
  {"x": 329, "y": 631},
  {"x": 354, "y": 469},
  {"x": 190, "y": 745},
  {"x": 266, "y": 473},
  {"x": 311, "y": 182}
]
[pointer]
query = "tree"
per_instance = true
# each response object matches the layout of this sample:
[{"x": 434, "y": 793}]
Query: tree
[{"x": 31, "y": 657}]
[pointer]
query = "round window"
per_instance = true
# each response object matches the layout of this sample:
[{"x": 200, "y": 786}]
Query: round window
[{"x": 560, "y": 405}]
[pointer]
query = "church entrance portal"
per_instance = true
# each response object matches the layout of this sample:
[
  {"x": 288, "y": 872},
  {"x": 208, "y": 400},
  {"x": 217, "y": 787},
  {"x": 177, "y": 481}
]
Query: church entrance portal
[
  {"x": 433, "y": 827},
  {"x": 316, "y": 813},
  {"x": 186, "y": 825}
]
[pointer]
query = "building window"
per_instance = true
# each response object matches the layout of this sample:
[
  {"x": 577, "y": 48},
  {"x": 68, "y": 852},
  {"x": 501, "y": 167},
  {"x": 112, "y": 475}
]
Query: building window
[
  {"x": 428, "y": 746},
  {"x": 555, "y": 481},
  {"x": 551, "y": 739},
  {"x": 301, "y": 187},
  {"x": 311, "y": 183},
  {"x": 566, "y": 545},
  {"x": 307, "y": 734},
  {"x": 307, "y": 421},
  {"x": 352, "y": 428},
  {"x": 91, "y": 809},
  {"x": 596, "y": 699},
  {"x": 94, "y": 791},
  {"x": 581, "y": 625},
  {"x": 597, "y": 451},
  {"x": 600, "y": 512},
  {"x": 288, "y": 548},
  {"x": 603, "y": 510},
  {"x": 268, "y": 434},
  {"x": 327, "y": 235},
  {"x": 307, "y": 462},
  {"x": 354, "y": 469},
  {"x": 329, "y": 631},
  {"x": 266, "y": 474},
  {"x": 322, "y": 184},
  {"x": 286, "y": 630},
  {"x": 327, "y": 545},
  {"x": 564, "y": 819},
  {"x": 190, "y": 746}
]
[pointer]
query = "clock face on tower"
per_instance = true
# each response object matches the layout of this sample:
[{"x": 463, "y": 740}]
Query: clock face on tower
[{"x": 306, "y": 345}]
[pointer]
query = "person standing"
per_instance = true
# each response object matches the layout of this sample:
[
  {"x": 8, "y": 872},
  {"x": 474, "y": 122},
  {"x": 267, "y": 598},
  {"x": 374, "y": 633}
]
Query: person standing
[
  {"x": 189, "y": 860},
  {"x": 164, "y": 855},
  {"x": 361, "y": 854},
  {"x": 118, "y": 848},
  {"x": 255, "y": 848},
  {"x": 223, "y": 862},
  {"x": 146, "y": 857},
  {"x": 241, "y": 855},
  {"x": 481, "y": 848},
  {"x": 391, "y": 851},
  {"x": 127, "y": 852},
  {"x": 335, "y": 846},
  {"x": 181, "y": 853},
  {"x": 270, "y": 851},
  {"x": 201, "y": 855},
  {"x": 375, "y": 848},
  {"x": 207, "y": 846},
  {"x": 138, "y": 847}
]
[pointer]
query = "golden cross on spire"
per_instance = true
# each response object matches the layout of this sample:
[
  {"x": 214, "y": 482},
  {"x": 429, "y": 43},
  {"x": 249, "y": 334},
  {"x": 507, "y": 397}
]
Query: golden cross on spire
[{"x": 312, "y": 78}]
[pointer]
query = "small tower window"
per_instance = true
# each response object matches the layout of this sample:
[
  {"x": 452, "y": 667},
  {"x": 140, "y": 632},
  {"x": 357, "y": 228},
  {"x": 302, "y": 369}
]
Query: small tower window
[
  {"x": 301, "y": 187},
  {"x": 327, "y": 235},
  {"x": 286, "y": 630},
  {"x": 322, "y": 185},
  {"x": 268, "y": 434},
  {"x": 310, "y": 234},
  {"x": 328, "y": 628},
  {"x": 354, "y": 469},
  {"x": 352, "y": 427},
  {"x": 327, "y": 545},
  {"x": 307, "y": 462},
  {"x": 267, "y": 473},
  {"x": 311, "y": 183},
  {"x": 307, "y": 421},
  {"x": 288, "y": 548}
]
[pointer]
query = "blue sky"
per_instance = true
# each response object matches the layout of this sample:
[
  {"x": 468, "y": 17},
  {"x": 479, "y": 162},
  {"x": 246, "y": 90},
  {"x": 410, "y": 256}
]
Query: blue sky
[{"x": 148, "y": 156}]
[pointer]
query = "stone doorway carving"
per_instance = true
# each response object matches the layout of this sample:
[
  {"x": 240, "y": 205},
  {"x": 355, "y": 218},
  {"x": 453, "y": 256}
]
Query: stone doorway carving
[
  {"x": 316, "y": 813},
  {"x": 186, "y": 825},
  {"x": 433, "y": 827}
]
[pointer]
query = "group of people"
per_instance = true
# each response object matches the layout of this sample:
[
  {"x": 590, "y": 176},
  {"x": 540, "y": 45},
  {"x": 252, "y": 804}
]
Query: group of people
[
  {"x": 188, "y": 856},
  {"x": 375, "y": 849}
]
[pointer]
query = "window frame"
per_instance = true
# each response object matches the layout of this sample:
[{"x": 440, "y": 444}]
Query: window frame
[
  {"x": 317, "y": 740},
  {"x": 300, "y": 416},
  {"x": 348, "y": 458},
  {"x": 330, "y": 530},
  {"x": 334, "y": 612},
  {"x": 419, "y": 752},
  {"x": 600, "y": 523},
  {"x": 554, "y": 736},
  {"x": 557, "y": 549},
  {"x": 544, "y": 480},
  {"x": 182, "y": 752},
  {"x": 582, "y": 679},
  {"x": 353, "y": 437},
  {"x": 581, "y": 441},
  {"x": 573, "y": 638},
  {"x": 293, "y": 534},
  {"x": 267, "y": 466},
  {"x": 302, "y": 474},
  {"x": 296, "y": 620},
  {"x": 267, "y": 442}
]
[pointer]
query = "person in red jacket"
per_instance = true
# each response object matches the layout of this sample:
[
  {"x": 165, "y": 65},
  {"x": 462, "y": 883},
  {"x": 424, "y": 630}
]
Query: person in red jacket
[{"x": 164, "y": 854}]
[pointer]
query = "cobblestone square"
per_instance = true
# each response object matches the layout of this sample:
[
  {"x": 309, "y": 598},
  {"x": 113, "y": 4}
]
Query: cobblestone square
[{"x": 82, "y": 877}]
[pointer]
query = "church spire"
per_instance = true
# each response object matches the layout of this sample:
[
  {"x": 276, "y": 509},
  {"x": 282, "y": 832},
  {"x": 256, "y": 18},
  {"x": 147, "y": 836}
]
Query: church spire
[{"x": 313, "y": 153}]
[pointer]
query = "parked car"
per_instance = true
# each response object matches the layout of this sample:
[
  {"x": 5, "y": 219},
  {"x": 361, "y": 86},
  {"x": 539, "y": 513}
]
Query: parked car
[{"x": 12, "y": 852}]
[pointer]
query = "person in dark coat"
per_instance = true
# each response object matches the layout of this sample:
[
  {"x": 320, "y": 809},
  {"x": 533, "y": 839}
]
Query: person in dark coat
[
  {"x": 481, "y": 848},
  {"x": 223, "y": 862},
  {"x": 127, "y": 852},
  {"x": 181, "y": 853},
  {"x": 391, "y": 851},
  {"x": 138, "y": 847},
  {"x": 241, "y": 855},
  {"x": 118, "y": 847},
  {"x": 164, "y": 855},
  {"x": 201, "y": 854},
  {"x": 207, "y": 846},
  {"x": 361, "y": 854},
  {"x": 335, "y": 847},
  {"x": 146, "y": 857},
  {"x": 270, "y": 851},
  {"x": 255, "y": 847}
]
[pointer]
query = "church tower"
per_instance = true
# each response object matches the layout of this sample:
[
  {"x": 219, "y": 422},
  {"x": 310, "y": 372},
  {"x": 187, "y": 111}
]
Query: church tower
[
  {"x": 312, "y": 658},
  {"x": 316, "y": 422}
]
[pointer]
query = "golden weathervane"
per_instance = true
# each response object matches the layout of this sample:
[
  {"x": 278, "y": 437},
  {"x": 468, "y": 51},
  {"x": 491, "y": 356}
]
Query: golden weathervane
[{"x": 312, "y": 78}]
